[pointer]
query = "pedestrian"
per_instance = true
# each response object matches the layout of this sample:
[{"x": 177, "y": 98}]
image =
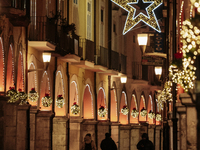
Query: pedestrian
[
  {"x": 145, "y": 143},
  {"x": 88, "y": 143},
  {"x": 108, "y": 143}
]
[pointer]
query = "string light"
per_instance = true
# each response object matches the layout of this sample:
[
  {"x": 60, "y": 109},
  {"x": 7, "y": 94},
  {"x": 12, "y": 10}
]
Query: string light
[{"x": 132, "y": 20}]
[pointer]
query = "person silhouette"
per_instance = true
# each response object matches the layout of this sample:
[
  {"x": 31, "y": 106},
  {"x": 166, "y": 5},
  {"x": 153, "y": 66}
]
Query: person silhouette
[
  {"x": 108, "y": 143},
  {"x": 88, "y": 143},
  {"x": 145, "y": 143}
]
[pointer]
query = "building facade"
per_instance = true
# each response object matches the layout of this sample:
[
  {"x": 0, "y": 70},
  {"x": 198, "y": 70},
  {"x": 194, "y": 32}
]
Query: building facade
[{"x": 89, "y": 56}]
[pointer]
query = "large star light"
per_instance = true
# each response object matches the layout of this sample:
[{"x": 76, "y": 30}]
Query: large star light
[{"x": 132, "y": 20}]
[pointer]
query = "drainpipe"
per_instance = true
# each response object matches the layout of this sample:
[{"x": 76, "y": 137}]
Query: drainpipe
[
  {"x": 68, "y": 128},
  {"x": 174, "y": 119},
  {"x": 109, "y": 55},
  {"x": 95, "y": 84}
]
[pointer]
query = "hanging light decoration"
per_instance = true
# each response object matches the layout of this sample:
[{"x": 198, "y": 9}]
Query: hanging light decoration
[
  {"x": 60, "y": 101},
  {"x": 102, "y": 111},
  {"x": 151, "y": 114},
  {"x": 134, "y": 113},
  {"x": 158, "y": 117},
  {"x": 12, "y": 94},
  {"x": 33, "y": 95},
  {"x": 143, "y": 112},
  {"x": 75, "y": 109},
  {"x": 125, "y": 110},
  {"x": 22, "y": 96},
  {"x": 47, "y": 100}
]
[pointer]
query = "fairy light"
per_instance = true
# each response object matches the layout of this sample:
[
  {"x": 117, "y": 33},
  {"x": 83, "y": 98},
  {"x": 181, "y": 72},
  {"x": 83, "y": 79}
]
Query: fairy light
[
  {"x": 3, "y": 65},
  {"x": 132, "y": 20},
  {"x": 91, "y": 97},
  {"x": 76, "y": 89}
]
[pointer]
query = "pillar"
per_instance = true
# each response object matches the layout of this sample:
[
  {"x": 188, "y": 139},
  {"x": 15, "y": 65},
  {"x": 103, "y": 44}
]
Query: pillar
[
  {"x": 115, "y": 133},
  {"x": 10, "y": 126},
  {"x": 43, "y": 130},
  {"x": 3, "y": 102},
  {"x": 23, "y": 114},
  {"x": 60, "y": 133},
  {"x": 124, "y": 137},
  {"x": 33, "y": 112},
  {"x": 135, "y": 136},
  {"x": 75, "y": 133},
  {"x": 157, "y": 137},
  {"x": 151, "y": 129}
]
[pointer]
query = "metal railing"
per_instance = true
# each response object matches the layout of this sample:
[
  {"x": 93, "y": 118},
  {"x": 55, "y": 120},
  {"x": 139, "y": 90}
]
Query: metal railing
[
  {"x": 137, "y": 70},
  {"x": 114, "y": 60},
  {"x": 42, "y": 29},
  {"x": 88, "y": 49},
  {"x": 102, "y": 56},
  {"x": 123, "y": 64}
]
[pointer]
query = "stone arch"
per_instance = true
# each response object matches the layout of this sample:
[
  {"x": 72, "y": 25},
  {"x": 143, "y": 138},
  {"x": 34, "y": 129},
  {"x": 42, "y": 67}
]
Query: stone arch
[
  {"x": 133, "y": 106},
  {"x": 150, "y": 107},
  {"x": 113, "y": 107},
  {"x": 33, "y": 77},
  {"x": 88, "y": 106},
  {"x": 142, "y": 105},
  {"x": 60, "y": 90},
  {"x": 2, "y": 67},
  {"x": 45, "y": 89},
  {"x": 20, "y": 72},
  {"x": 101, "y": 101},
  {"x": 74, "y": 94},
  {"x": 123, "y": 119},
  {"x": 10, "y": 69}
]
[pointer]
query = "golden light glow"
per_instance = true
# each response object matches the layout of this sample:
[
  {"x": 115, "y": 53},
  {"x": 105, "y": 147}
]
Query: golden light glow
[
  {"x": 142, "y": 39},
  {"x": 46, "y": 57},
  {"x": 133, "y": 20}
]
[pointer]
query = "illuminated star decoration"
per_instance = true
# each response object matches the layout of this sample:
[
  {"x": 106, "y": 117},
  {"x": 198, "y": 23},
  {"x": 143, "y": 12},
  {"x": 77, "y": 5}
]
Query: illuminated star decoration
[{"x": 132, "y": 20}]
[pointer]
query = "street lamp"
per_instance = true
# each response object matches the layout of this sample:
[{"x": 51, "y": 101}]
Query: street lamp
[
  {"x": 142, "y": 41},
  {"x": 123, "y": 79},
  {"x": 158, "y": 71},
  {"x": 46, "y": 60}
]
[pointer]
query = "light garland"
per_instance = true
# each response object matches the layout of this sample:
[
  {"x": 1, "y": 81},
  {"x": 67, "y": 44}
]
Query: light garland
[
  {"x": 125, "y": 110},
  {"x": 75, "y": 109},
  {"x": 158, "y": 117},
  {"x": 143, "y": 112},
  {"x": 102, "y": 111},
  {"x": 134, "y": 113},
  {"x": 151, "y": 115},
  {"x": 60, "y": 101},
  {"x": 12, "y": 94},
  {"x": 47, "y": 100},
  {"x": 133, "y": 20},
  {"x": 33, "y": 95}
]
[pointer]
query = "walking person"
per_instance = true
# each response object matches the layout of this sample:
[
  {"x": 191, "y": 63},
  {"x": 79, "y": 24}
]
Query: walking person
[
  {"x": 88, "y": 143},
  {"x": 108, "y": 143},
  {"x": 145, "y": 143}
]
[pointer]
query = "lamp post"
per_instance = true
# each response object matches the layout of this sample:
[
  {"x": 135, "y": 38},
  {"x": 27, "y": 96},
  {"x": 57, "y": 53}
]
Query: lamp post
[
  {"x": 142, "y": 42},
  {"x": 123, "y": 80}
]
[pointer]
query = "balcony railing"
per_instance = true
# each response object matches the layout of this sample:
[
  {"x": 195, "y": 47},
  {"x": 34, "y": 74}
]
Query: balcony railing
[
  {"x": 114, "y": 60},
  {"x": 123, "y": 64},
  {"x": 68, "y": 44},
  {"x": 88, "y": 49},
  {"x": 42, "y": 29},
  {"x": 102, "y": 56},
  {"x": 137, "y": 70}
]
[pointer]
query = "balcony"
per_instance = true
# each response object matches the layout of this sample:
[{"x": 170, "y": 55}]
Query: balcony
[
  {"x": 115, "y": 61},
  {"x": 123, "y": 64},
  {"x": 43, "y": 32}
]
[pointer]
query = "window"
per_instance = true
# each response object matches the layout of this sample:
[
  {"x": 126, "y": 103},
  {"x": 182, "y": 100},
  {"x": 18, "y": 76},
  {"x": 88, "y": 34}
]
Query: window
[
  {"x": 101, "y": 15},
  {"x": 75, "y": 1},
  {"x": 89, "y": 21},
  {"x": 133, "y": 38}
]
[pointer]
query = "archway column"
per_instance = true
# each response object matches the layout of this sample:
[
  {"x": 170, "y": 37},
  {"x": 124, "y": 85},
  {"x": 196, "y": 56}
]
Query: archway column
[
  {"x": 151, "y": 129},
  {"x": 135, "y": 136},
  {"x": 115, "y": 133},
  {"x": 75, "y": 133},
  {"x": 125, "y": 140},
  {"x": 102, "y": 128},
  {"x": 60, "y": 132}
]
